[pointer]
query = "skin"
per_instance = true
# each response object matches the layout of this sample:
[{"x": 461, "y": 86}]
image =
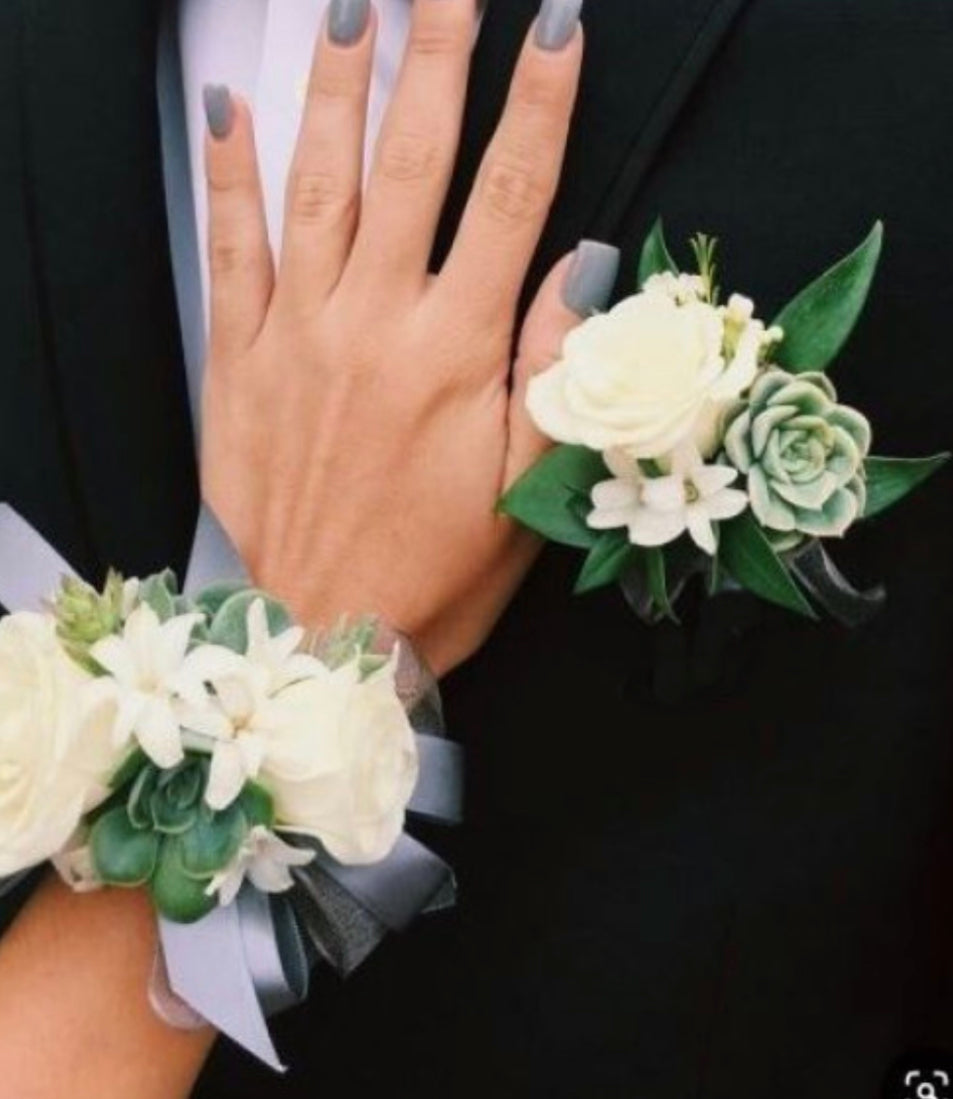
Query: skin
[{"x": 359, "y": 427}]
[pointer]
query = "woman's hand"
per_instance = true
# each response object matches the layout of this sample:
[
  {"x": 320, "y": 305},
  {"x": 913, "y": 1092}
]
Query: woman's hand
[{"x": 359, "y": 418}]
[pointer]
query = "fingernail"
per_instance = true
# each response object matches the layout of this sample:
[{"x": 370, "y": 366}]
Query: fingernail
[
  {"x": 557, "y": 23},
  {"x": 591, "y": 278},
  {"x": 219, "y": 112},
  {"x": 347, "y": 21}
]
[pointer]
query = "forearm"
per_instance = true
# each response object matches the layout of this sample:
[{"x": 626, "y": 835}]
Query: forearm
[{"x": 74, "y": 1014}]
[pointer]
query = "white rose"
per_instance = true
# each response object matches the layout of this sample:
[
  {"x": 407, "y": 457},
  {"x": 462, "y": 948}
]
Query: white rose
[
  {"x": 341, "y": 761},
  {"x": 646, "y": 376},
  {"x": 56, "y": 752}
]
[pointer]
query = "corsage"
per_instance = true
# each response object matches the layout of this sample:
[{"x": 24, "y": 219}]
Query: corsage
[
  {"x": 697, "y": 441},
  {"x": 253, "y": 777}
]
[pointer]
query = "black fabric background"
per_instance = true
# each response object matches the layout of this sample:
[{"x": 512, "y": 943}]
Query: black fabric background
[{"x": 747, "y": 892}]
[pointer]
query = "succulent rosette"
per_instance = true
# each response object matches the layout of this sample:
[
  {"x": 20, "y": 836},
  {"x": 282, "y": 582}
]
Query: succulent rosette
[
  {"x": 803, "y": 454},
  {"x": 697, "y": 440}
]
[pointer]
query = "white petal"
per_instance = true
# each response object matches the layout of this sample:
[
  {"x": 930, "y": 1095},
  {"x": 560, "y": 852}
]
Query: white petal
[
  {"x": 114, "y": 655},
  {"x": 701, "y": 530},
  {"x": 226, "y": 775},
  {"x": 257, "y": 626},
  {"x": 712, "y": 479},
  {"x": 270, "y": 877},
  {"x": 726, "y": 504},
  {"x": 615, "y": 494},
  {"x": 622, "y": 465},
  {"x": 227, "y": 883},
  {"x": 656, "y": 528},
  {"x": 611, "y": 518},
  {"x": 158, "y": 733},
  {"x": 173, "y": 643},
  {"x": 664, "y": 493}
]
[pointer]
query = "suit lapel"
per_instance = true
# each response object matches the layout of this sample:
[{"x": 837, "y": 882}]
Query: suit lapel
[
  {"x": 101, "y": 250},
  {"x": 644, "y": 59}
]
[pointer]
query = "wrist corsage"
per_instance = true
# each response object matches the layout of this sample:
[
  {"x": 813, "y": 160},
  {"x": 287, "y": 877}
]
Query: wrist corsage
[
  {"x": 697, "y": 441},
  {"x": 253, "y": 777}
]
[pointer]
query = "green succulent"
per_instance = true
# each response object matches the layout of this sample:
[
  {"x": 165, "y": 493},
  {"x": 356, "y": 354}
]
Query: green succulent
[
  {"x": 158, "y": 832},
  {"x": 803, "y": 455},
  {"x": 84, "y": 616}
]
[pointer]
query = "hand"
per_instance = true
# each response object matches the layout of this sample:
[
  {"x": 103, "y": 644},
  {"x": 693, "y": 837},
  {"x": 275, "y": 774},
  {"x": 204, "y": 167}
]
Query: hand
[{"x": 359, "y": 418}]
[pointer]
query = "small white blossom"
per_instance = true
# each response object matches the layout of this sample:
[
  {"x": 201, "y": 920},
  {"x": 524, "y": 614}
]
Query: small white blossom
[
  {"x": 265, "y": 860},
  {"x": 682, "y": 289},
  {"x": 233, "y": 716},
  {"x": 145, "y": 664},
  {"x": 658, "y": 510}
]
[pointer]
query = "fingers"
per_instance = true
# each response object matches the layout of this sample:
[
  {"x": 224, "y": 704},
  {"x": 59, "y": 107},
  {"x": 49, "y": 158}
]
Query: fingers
[
  {"x": 240, "y": 264},
  {"x": 578, "y": 286},
  {"x": 324, "y": 184},
  {"x": 418, "y": 142},
  {"x": 517, "y": 181}
]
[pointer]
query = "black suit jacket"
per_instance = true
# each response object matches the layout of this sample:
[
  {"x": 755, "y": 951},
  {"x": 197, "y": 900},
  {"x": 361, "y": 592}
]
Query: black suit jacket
[{"x": 744, "y": 889}]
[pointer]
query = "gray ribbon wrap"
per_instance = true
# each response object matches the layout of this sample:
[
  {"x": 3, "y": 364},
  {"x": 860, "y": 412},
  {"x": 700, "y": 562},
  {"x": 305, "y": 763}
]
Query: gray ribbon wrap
[
  {"x": 245, "y": 962},
  {"x": 825, "y": 583}
]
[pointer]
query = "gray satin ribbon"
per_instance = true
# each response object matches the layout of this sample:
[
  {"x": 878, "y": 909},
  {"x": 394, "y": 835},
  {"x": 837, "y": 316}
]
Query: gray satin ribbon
[
  {"x": 826, "y": 584},
  {"x": 245, "y": 962},
  {"x": 7, "y": 885}
]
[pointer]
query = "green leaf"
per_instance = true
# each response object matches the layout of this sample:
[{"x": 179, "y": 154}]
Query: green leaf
[
  {"x": 656, "y": 575},
  {"x": 140, "y": 794},
  {"x": 257, "y": 805},
  {"x": 177, "y": 896},
  {"x": 122, "y": 854},
  {"x": 890, "y": 479},
  {"x": 213, "y": 841},
  {"x": 607, "y": 560},
  {"x": 746, "y": 553},
  {"x": 543, "y": 498},
  {"x": 656, "y": 258},
  {"x": 819, "y": 320},
  {"x": 230, "y": 625}
]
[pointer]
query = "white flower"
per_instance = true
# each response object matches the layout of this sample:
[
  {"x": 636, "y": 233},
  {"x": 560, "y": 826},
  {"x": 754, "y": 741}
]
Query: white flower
[
  {"x": 341, "y": 761},
  {"x": 657, "y": 510},
  {"x": 145, "y": 664},
  {"x": 263, "y": 859},
  {"x": 56, "y": 751},
  {"x": 235, "y": 716},
  {"x": 647, "y": 376}
]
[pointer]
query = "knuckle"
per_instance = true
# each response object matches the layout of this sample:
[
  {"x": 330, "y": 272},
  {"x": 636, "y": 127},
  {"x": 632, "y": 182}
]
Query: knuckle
[
  {"x": 437, "y": 39},
  {"x": 514, "y": 191},
  {"x": 409, "y": 157},
  {"x": 318, "y": 196},
  {"x": 230, "y": 256}
]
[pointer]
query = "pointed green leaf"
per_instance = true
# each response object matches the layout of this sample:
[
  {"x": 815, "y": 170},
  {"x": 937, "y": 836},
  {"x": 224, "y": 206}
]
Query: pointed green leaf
[
  {"x": 890, "y": 479},
  {"x": 159, "y": 593},
  {"x": 820, "y": 319},
  {"x": 745, "y": 552},
  {"x": 177, "y": 896},
  {"x": 543, "y": 498},
  {"x": 122, "y": 854},
  {"x": 607, "y": 560},
  {"x": 656, "y": 258}
]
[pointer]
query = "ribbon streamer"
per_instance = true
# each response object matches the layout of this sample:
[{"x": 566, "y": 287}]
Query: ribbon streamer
[
  {"x": 252, "y": 959},
  {"x": 826, "y": 584}
]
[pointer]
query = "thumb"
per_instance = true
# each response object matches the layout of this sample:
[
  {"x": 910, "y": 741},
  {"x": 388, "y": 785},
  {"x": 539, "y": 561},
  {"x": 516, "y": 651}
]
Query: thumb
[{"x": 578, "y": 286}]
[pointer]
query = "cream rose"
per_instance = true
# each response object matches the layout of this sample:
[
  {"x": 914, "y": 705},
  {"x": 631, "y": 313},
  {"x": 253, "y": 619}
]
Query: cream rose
[
  {"x": 651, "y": 374},
  {"x": 341, "y": 761},
  {"x": 56, "y": 751}
]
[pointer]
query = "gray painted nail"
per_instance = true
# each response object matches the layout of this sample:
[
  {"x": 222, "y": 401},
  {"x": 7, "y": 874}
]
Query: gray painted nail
[
  {"x": 347, "y": 21},
  {"x": 219, "y": 111},
  {"x": 591, "y": 278},
  {"x": 557, "y": 23}
]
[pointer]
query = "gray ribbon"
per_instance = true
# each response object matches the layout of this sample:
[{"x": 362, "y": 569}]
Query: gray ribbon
[
  {"x": 829, "y": 587},
  {"x": 247, "y": 961},
  {"x": 7, "y": 885}
]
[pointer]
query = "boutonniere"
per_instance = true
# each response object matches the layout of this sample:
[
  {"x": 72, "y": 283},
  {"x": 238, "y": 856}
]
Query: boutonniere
[{"x": 696, "y": 440}]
